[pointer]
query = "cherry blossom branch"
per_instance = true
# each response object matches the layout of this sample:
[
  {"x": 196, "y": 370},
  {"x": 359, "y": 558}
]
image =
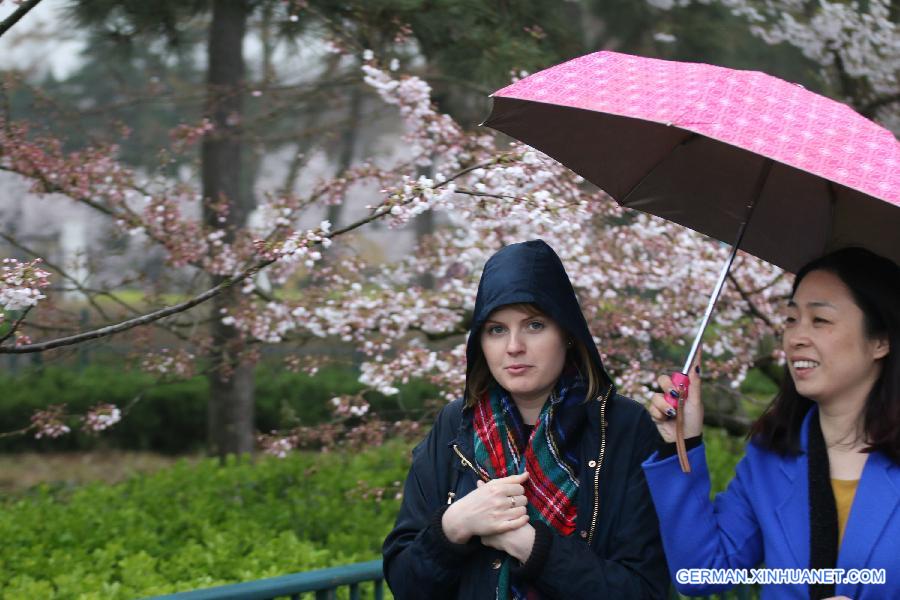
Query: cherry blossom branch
[
  {"x": 152, "y": 317},
  {"x": 469, "y": 192},
  {"x": 88, "y": 293},
  {"x": 18, "y": 14},
  {"x": 52, "y": 188},
  {"x": 868, "y": 110},
  {"x": 466, "y": 84},
  {"x": 22, "y": 431},
  {"x": 169, "y": 328},
  {"x": 138, "y": 321},
  {"x": 15, "y": 326},
  {"x": 768, "y": 285},
  {"x": 753, "y": 308},
  {"x": 384, "y": 210},
  {"x": 62, "y": 272},
  {"x": 443, "y": 335}
]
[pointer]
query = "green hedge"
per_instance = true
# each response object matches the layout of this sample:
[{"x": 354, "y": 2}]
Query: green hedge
[
  {"x": 171, "y": 417},
  {"x": 199, "y": 525},
  {"x": 722, "y": 455}
]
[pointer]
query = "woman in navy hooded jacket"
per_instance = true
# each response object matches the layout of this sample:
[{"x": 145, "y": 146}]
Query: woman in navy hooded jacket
[{"x": 530, "y": 486}]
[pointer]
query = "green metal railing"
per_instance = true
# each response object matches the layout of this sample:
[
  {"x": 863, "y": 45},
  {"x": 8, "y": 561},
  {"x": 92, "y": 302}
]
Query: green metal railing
[
  {"x": 741, "y": 592},
  {"x": 323, "y": 583}
]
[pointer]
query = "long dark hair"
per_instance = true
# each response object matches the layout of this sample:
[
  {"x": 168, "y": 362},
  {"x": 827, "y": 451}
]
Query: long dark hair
[{"x": 874, "y": 283}]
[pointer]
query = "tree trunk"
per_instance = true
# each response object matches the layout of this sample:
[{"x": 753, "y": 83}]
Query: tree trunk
[
  {"x": 230, "y": 408},
  {"x": 347, "y": 147},
  {"x": 424, "y": 226}
]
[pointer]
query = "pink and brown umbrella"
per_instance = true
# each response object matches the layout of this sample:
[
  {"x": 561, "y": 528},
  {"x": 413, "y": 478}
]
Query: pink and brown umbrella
[{"x": 737, "y": 155}]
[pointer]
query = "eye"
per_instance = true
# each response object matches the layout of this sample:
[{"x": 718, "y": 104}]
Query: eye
[
  {"x": 496, "y": 329},
  {"x": 820, "y": 320},
  {"x": 535, "y": 325},
  {"x": 790, "y": 320}
]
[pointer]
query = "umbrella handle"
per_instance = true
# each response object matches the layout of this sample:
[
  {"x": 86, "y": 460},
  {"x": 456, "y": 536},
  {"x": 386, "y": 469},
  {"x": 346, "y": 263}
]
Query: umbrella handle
[{"x": 682, "y": 384}]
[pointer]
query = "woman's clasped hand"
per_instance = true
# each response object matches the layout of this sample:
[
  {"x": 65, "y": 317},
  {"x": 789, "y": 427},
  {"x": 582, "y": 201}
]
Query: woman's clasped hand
[{"x": 493, "y": 508}]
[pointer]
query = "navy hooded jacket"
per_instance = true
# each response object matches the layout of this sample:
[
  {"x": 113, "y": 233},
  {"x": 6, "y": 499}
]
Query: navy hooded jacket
[{"x": 616, "y": 551}]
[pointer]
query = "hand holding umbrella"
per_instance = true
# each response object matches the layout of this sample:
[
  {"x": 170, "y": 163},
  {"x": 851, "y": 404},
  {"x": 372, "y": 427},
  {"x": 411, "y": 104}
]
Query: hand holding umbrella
[{"x": 666, "y": 410}]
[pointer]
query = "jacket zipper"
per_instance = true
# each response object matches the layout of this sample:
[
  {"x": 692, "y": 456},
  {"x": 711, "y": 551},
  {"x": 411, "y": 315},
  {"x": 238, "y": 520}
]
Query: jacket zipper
[
  {"x": 467, "y": 463},
  {"x": 599, "y": 465}
]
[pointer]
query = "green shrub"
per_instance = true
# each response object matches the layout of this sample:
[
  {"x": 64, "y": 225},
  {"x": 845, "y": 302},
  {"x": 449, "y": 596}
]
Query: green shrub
[
  {"x": 723, "y": 452},
  {"x": 759, "y": 383},
  {"x": 171, "y": 417},
  {"x": 198, "y": 525}
]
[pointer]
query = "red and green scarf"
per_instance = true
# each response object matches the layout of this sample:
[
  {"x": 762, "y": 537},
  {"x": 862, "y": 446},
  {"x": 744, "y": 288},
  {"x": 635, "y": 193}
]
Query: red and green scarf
[{"x": 551, "y": 457}]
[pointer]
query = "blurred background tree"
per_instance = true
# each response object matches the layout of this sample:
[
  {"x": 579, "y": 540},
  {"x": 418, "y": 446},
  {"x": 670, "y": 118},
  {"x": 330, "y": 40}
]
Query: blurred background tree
[{"x": 278, "y": 87}]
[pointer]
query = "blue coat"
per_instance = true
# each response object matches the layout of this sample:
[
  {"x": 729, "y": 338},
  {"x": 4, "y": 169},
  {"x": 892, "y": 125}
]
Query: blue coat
[
  {"x": 763, "y": 519},
  {"x": 622, "y": 561}
]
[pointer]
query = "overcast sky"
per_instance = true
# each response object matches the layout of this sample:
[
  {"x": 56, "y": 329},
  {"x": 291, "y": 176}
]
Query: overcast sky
[{"x": 41, "y": 41}]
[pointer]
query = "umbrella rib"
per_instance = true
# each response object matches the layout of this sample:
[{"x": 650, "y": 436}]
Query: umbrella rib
[
  {"x": 832, "y": 205},
  {"x": 754, "y": 199},
  {"x": 690, "y": 138}
]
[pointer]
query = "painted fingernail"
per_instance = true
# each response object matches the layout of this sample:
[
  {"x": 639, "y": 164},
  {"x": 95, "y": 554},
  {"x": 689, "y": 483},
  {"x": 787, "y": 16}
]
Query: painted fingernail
[
  {"x": 674, "y": 394},
  {"x": 697, "y": 369},
  {"x": 670, "y": 413}
]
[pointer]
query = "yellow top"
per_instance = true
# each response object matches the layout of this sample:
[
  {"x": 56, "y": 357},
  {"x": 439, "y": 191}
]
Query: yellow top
[{"x": 844, "y": 491}]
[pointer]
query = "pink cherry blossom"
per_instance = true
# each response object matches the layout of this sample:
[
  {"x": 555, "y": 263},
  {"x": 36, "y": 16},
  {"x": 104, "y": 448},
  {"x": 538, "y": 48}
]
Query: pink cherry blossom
[
  {"x": 49, "y": 423},
  {"x": 642, "y": 281},
  {"x": 101, "y": 417}
]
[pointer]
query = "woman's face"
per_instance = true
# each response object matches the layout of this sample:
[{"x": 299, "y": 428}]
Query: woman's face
[
  {"x": 829, "y": 354},
  {"x": 525, "y": 353}
]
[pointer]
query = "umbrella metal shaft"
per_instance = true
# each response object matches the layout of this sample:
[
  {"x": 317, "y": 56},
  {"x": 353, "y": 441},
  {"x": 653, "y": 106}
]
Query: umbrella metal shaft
[
  {"x": 712, "y": 304},
  {"x": 757, "y": 191}
]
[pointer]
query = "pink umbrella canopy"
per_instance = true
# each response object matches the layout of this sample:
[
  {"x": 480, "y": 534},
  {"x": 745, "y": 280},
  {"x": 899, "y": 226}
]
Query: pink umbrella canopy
[
  {"x": 696, "y": 143},
  {"x": 732, "y": 154}
]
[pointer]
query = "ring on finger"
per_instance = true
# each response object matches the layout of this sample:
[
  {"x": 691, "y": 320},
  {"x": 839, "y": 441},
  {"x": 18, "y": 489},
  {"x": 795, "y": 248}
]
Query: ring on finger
[{"x": 512, "y": 502}]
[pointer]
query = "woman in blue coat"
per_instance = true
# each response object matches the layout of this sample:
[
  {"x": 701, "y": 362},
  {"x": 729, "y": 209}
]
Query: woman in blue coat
[
  {"x": 819, "y": 487},
  {"x": 530, "y": 486}
]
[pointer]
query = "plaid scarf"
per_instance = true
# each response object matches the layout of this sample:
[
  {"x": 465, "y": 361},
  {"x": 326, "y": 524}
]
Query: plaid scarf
[{"x": 551, "y": 457}]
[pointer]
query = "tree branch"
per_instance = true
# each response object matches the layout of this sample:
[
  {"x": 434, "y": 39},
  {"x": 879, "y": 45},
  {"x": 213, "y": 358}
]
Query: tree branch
[
  {"x": 51, "y": 188},
  {"x": 753, "y": 308},
  {"x": 88, "y": 293},
  {"x": 869, "y": 109},
  {"x": 736, "y": 426},
  {"x": 440, "y": 335},
  {"x": 16, "y": 244},
  {"x": 15, "y": 325},
  {"x": 138, "y": 321},
  {"x": 465, "y": 84},
  {"x": 469, "y": 192},
  {"x": 201, "y": 298},
  {"x": 18, "y": 14}
]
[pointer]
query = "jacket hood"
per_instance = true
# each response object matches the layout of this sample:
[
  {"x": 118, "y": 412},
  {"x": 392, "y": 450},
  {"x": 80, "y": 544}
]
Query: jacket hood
[{"x": 529, "y": 272}]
